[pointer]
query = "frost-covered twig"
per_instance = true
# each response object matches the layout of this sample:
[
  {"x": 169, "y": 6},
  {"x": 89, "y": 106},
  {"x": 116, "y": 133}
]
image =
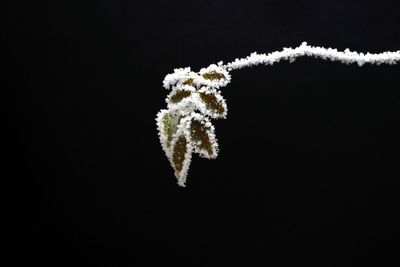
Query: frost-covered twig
[
  {"x": 346, "y": 57},
  {"x": 185, "y": 127}
]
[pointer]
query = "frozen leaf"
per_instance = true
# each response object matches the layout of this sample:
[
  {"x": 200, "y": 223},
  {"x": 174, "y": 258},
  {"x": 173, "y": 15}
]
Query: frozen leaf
[
  {"x": 179, "y": 95},
  {"x": 189, "y": 81},
  {"x": 167, "y": 126},
  {"x": 181, "y": 156},
  {"x": 213, "y": 75},
  {"x": 214, "y": 103},
  {"x": 175, "y": 77},
  {"x": 203, "y": 137},
  {"x": 180, "y": 151}
]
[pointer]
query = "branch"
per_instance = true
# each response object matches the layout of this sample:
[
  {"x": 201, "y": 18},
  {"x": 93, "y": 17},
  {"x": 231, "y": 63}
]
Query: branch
[
  {"x": 185, "y": 127},
  {"x": 346, "y": 57}
]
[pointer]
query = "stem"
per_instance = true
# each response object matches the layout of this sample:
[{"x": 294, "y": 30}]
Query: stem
[{"x": 291, "y": 54}]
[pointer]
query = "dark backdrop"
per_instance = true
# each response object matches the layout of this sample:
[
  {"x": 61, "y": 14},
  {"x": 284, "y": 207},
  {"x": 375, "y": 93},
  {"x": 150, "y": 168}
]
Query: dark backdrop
[{"x": 308, "y": 171}]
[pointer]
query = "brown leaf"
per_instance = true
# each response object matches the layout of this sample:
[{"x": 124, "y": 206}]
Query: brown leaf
[
  {"x": 179, "y": 95},
  {"x": 203, "y": 138},
  {"x": 213, "y": 103},
  {"x": 189, "y": 81},
  {"x": 213, "y": 75},
  {"x": 179, "y": 152}
]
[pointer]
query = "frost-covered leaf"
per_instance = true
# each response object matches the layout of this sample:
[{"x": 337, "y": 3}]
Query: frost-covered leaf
[
  {"x": 167, "y": 124},
  {"x": 181, "y": 155},
  {"x": 203, "y": 137},
  {"x": 214, "y": 103},
  {"x": 179, "y": 152},
  {"x": 170, "y": 125},
  {"x": 213, "y": 75},
  {"x": 179, "y": 95},
  {"x": 175, "y": 77},
  {"x": 189, "y": 81}
]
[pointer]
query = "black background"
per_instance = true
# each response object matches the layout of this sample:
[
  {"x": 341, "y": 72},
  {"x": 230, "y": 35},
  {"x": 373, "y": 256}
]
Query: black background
[{"x": 308, "y": 171}]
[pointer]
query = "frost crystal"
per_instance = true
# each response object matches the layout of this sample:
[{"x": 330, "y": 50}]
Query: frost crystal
[{"x": 185, "y": 127}]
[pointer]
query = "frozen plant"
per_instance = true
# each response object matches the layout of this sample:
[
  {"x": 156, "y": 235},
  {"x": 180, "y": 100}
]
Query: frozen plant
[{"x": 195, "y": 98}]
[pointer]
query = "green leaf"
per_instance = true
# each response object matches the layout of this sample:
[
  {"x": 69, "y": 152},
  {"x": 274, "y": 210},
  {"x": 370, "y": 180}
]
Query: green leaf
[{"x": 170, "y": 126}]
